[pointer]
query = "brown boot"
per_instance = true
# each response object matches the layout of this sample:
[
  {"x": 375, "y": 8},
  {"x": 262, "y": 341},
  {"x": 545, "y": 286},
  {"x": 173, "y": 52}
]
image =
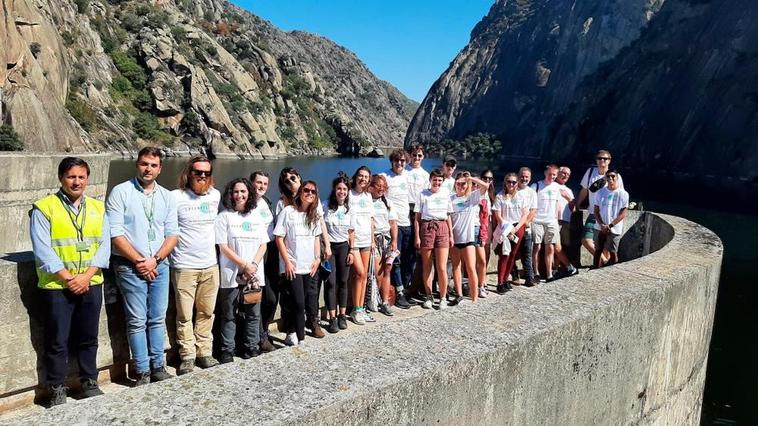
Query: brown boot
[{"x": 316, "y": 330}]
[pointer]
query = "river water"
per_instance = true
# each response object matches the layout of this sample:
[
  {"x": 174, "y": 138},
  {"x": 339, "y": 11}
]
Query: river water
[{"x": 731, "y": 390}]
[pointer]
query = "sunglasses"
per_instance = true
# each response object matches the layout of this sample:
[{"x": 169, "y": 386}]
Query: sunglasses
[
  {"x": 201, "y": 173},
  {"x": 511, "y": 182},
  {"x": 488, "y": 178},
  {"x": 293, "y": 178},
  {"x": 611, "y": 176},
  {"x": 603, "y": 158},
  {"x": 309, "y": 191},
  {"x": 399, "y": 160},
  {"x": 418, "y": 156},
  {"x": 460, "y": 184}
]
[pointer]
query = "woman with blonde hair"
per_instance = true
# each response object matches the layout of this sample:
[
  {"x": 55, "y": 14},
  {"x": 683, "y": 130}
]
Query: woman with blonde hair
[
  {"x": 509, "y": 208},
  {"x": 385, "y": 240},
  {"x": 465, "y": 220}
]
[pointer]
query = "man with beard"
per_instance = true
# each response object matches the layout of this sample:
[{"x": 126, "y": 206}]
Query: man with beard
[
  {"x": 142, "y": 215},
  {"x": 194, "y": 269}
]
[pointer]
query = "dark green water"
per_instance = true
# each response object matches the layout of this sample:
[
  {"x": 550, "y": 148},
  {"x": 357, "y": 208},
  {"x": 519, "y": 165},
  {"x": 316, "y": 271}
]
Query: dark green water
[{"x": 731, "y": 390}]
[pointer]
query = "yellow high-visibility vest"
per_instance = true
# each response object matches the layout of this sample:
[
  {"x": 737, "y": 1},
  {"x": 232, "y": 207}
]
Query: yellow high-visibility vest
[{"x": 67, "y": 242}]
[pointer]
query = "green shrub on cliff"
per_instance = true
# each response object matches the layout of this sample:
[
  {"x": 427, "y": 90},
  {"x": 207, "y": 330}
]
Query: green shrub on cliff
[
  {"x": 9, "y": 139},
  {"x": 82, "y": 113}
]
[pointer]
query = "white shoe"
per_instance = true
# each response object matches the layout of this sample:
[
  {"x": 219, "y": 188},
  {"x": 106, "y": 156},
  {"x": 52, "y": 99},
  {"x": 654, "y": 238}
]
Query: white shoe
[
  {"x": 483, "y": 292},
  {"x": 443, "y": 304},
  {"x": 291, "y": 339},
  {"x": 427, "y": 304},
  {"x": 357, "y": 317}
]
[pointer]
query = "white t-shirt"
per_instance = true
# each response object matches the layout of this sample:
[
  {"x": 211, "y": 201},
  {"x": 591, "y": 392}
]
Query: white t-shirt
[
  {"x": 433, "y": 205},
  {"x": 548, "y": 197},
  {"x": 530, "y": 199},
  {"x": 563, "y": 204},
  {"x": 338, "y": 223},
  {"x": 448, "y": 185},
  {"x": 383, "y": 216},
  {"x": 610, "y": 204},
  {"x": 362, "y": 210},
  {"x": 299, "y": 238},
  {"x": 418, "y": 180},
  {"x": 511, "y": 209},
  {"x": 590, "y": 176},
  {"x": 244, "y": 234},
  {"x": 196, "y": 248},
  {"x": 398, "y": 196},
  {"x": 465, "y": 216}
]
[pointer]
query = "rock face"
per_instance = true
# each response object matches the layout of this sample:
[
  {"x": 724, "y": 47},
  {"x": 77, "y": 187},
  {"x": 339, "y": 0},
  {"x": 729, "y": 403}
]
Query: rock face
[
  {"x": 662, "y": 85},
  {"x": 188, "y": 75}
]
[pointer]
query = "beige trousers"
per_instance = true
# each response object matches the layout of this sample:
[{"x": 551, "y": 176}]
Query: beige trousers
[{"x": 195, "y": 290}]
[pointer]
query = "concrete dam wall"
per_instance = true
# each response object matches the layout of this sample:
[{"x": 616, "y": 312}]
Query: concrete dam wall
[{"x": 623, "y": 344}]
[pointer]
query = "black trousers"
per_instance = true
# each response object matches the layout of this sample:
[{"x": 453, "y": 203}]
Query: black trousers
[
  {"x": 335, "y": 287},
  {"x": 299, "y": 296},
  {"x": 271, "y": 290},
  {"x": 71, "y": 318}
]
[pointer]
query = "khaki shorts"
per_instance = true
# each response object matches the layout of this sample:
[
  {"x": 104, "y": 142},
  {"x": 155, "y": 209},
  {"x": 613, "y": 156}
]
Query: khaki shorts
[
  {"x": 546, "y": 233},
  {"x": 611, "y": 242}
]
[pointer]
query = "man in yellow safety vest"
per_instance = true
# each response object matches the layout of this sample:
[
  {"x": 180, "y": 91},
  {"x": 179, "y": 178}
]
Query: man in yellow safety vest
[{"x": 71, "y": 242}]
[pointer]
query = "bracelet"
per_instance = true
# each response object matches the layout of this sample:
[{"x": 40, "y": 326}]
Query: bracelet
[{"x": 254, "y": 263}]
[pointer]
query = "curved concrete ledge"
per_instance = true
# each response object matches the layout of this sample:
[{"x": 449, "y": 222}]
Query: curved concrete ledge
[{"x": 624, "y": 344}]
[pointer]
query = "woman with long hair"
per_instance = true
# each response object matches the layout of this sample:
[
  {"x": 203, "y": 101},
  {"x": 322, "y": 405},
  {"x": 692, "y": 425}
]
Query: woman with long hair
[
  {"x": 289, "y": 184},
  {"x": 339, "y": 226},
  {"x": 509, "y": 208},
  {"x": 434, "y": 235},
  {"x": 464, "y": 218},
  {"x": 362, "y": 208},
  {"x": 241, "y": 236},
  {"x": 483, "y": 250},
  {"x": 385, "y": 240},
  {"x": 298, "y": 238}
]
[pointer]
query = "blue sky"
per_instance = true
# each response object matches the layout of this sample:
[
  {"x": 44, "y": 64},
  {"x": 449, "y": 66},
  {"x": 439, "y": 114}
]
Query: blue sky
[{"x": 408, "y": 43}]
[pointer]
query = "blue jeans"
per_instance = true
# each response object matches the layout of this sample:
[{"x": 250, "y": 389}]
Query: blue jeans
[
  {"x": 402, "y": 268},
  {"x": 145, "y": 304}
]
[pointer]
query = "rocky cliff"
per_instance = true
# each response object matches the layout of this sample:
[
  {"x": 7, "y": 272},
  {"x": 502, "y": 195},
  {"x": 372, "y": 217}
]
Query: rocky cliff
[
  {"x": 668, "y": 86},
  {"x": 188, "y": 75}
]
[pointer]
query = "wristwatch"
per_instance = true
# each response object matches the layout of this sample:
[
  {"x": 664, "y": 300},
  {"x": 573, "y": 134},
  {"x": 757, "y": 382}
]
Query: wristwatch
[
  {"x": 610, "y": 225},
  {"x": 158, "y": 259}
]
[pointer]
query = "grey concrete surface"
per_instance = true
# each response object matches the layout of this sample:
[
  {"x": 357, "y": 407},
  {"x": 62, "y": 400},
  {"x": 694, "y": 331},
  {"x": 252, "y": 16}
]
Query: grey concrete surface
[
  {"x": 28, "y": 177},
  {"x": 623, "y": 344}
]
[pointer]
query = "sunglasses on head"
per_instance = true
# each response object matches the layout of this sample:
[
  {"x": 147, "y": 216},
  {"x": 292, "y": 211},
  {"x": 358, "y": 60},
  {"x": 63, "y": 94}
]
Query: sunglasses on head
[
  {"x": 308, "y": 191},
  {"x": 201, "y": 173}
]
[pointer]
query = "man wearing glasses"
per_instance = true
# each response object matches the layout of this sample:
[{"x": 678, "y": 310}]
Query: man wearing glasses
[
  {"x": 399, "y": 197},
  {"x": 144, "y": 230},
  {"x": 194, "y": 270},
  {"x": 594, "y": 173},
  {"x": 611, "y": 203}
]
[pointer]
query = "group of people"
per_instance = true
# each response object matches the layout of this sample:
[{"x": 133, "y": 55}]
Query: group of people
[{"x": 240, "y": 254}]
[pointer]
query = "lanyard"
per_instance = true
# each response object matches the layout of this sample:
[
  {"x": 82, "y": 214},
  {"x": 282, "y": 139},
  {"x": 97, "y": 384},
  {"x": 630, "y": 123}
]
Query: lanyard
[
  {"x": 75, "y": 217},
  {"x": 149, "y": 212}
]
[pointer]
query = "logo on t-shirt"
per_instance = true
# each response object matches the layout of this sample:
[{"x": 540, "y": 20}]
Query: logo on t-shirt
[
  {"x": 247, "y": 226},
  {"x": 264, "y": 213},
  {"x": 460, "y": 203},
  {"x": 205, "y": 207},
  {"x": 362, "y": 204},
  {"x": 437, "y": 201},
  {"x": 403, "y": 186}
]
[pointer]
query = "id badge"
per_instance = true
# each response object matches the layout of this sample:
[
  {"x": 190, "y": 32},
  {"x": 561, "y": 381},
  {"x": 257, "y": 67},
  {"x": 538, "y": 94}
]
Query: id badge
[
  {"x": 151, "y": 234},
  {"x": 82, "y": 246}
]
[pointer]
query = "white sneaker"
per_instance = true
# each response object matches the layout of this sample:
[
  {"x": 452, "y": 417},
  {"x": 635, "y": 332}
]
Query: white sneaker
[
  {"x": 357, "y": 317},
  {"x": 291, "y": 339},
  {"x": 443, "y": 304},
  {"x": 367, "y": 316},
  {"x": 483, "y": 292},
  {"x": 427, "y": 304}
]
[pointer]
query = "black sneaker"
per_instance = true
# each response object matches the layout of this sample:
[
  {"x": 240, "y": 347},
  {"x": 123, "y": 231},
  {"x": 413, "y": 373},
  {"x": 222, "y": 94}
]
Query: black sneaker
[
  {"x": 142, "y": 379},
  {"x": 226, "y": 358},
  {"x": 401, "y": 303},
  {"x": 530, "y": 283},
  {"x": 536, "y": 279},
  {"x": 333, "y": 327},
  {"x": 57, "y": 395},
  {"x": 90, "y": 388},
  {"x": 500, "y": 289},
  {"x": 186, "y": 367},
  {"x": 456, "y": 301},
  {"x": 342, "y": 321},
  {"x": 386, "y": 309},
  {"x": 417, "y": 299},
  {"x": 250, "y": 353},
  {"x": 550, "y": 279},
  {"x": 573, "y": 271},
  {"x": 159, "y": 374},
  {"x": 206, "y": 362},
  {"x": 508, "y": 286}
]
